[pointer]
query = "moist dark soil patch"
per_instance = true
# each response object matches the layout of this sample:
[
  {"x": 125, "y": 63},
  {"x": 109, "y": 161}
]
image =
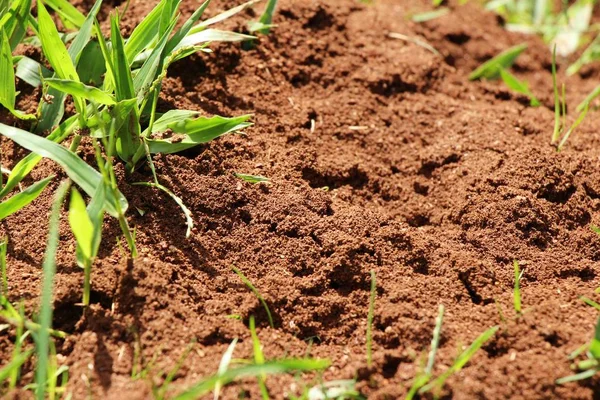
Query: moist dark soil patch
[{"x": 442, "y": 185}]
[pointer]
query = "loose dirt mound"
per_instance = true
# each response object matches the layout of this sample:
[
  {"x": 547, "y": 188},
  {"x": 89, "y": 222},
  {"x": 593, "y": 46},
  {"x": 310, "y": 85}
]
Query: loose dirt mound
[{"x": 441, "y": 186}]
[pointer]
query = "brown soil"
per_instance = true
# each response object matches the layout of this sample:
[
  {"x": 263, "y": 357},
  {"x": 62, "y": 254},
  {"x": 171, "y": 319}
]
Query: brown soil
[{"x": 444, "y": 184}]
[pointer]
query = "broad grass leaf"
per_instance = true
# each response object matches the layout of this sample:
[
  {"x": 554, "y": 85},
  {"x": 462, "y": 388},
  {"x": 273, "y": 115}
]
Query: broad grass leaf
[
  {"x": 145, "y": 33},
  {"x": 32, "y": 71},
  {"x": 255, "y": 370},
  {"x": 76, "y": 88},
  {"x": 518, "y": 86},
  {"x": 491, "y": 68},
  {"x": 123, "y": 80},
  {"x": 197, "y": 131},
  {"x": 80, "y": 172},
  {"x": 22, "y": 199},
  {"x": 53, "y": 46},
  {"x": 67, "y": 11},
  {"x": 81, "y": 224},
  {"x": 26, "y": 165}
]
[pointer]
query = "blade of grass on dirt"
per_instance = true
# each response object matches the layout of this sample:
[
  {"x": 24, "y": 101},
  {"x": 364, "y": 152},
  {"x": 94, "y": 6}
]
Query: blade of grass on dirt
[
  {"x": 197, "y": 131},
  {"x": 268, "y": 368},
  {"x": 15, "y": 21},
  {"x": 259, "y": 359},
  {"x": 49, "y": 268},
  {"x": 248, "y": 283},
  {"x": 82, "y": 174},
  {"x": 22, "y": 199},
  {"x": 223, "y": 16},
  {"x": 252, "y": 178},
  {"x": 224, "y": 366},
  {"x": 517, "y": 289},
  {"x": 491, "y": 68},
  {"x": 518, "y": 86},
  {"x": 79, "y": 89},
  {"x": 67, "y": 11},
  {"x": 266, "y": 18},
  {"x": 7, "y": 79}
]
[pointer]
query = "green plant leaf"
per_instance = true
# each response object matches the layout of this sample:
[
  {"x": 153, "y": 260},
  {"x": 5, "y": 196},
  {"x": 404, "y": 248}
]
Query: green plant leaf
[
  {"x": 268, "y": 368},
  {"x": 67, "y": 11},
  {"x": 248, "y": 283},
  {"x": 15, "y": 21},
  {"x": 81, "y": 224},
  {"x": 14, "y": 363},
  {"x": 267, "y": 17},
  {"x": 223, "y": 16},
  {"x": 594, "y": 348},
  {"x": 53, "y": 46},
  {"x": 145, "y": 33},
  {"x": 85, "y": 33},
  {"x": 92, "y": 66},
  {"x": 185, "y": 29},
  {"x": 252, "y": 178},
  {"x": 7, "y": 79},
  {"x": 491, "y": 68},
  {"x": 195, "y": 132},
  {"x": 26, "y": 165},
  {"x": 80, "y": 172},
  {"x": 518, "y": 86},
  {"x": 76, "y": 88},
  {"x": 32, "y": 71},
  {"x": 123, "y": 79},
  {"x": 23, "y": 199},
  {"x": 429, "y": 15}
]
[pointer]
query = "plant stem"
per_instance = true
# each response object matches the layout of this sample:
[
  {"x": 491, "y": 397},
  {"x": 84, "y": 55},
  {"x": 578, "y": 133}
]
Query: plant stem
[{"x": 87, "y": 282}]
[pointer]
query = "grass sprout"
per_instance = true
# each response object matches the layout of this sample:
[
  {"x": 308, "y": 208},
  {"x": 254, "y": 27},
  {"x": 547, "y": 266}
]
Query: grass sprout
[
  {"x": 561, "y": 134},
  {"x": 430, "y": 15},
  {"x": 49, "y": 267},
  {"x": 259, "y": 359},
  {"x": 252, "y": 178},
  {"x": 517, "y": 289},
  {"x": 590, "y": 366},
  {"x": 423, "y": 381},
  {"x": 256, "y": 293},
  {"x": 224, "y": 366}
]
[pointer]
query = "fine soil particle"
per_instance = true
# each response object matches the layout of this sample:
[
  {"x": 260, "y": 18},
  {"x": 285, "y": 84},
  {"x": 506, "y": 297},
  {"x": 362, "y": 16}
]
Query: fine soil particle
[{"x": 382, "y": 156}]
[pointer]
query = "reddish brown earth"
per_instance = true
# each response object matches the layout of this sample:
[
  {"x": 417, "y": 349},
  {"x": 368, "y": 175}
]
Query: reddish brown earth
[{"x": 446, "y": 184}]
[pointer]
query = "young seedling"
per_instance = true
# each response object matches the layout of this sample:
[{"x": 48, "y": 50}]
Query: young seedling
[
  {"x": 370, "y": 316},
  {"x": 223, "y": 367},
  {"x": 256, "y": 293},
  {"x": 49, "y": 268},
  {"x": 259, "y": 359},
  {"x": 423, "y": 381},
  {"x": 587, "y": 367},
  {"x": 517, "y": 289},
  {"x": 560, "y": 112}
]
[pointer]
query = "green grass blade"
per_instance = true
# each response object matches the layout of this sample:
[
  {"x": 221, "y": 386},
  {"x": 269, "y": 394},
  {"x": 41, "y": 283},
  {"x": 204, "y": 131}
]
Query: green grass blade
[
  {"x": 491, "y": 68},
  {"x": 223, "y": 16},
  {"x": 588, "y": 100},
  {"x": 252, "y": 178},
  {"x": 590, "y": 302},
  {"x": 224, "y": 366},
  {"x": 572, "y": 129},
  {"x": 212, "y": 35},
  {"x": 577, "y": 377},
  {"x": 91, "y": 65},
  {"x": 267, "y": 17},
  {"x": 7, "y": 77},
  {"x": 123, "y": 80},
  {"x": 256, "y": 293},
  {"x": 3, "y": 274},
  {"x": 462, "y": 359},
  {"x": 171, "y": 117},
  {"x": 151, "y": 67},
  {"x": 81, "y": 224},
  {"x": 186, "y": 211},
  {"x": 557, "y": 124},
  {"x": 594, "y": 348},
  {"x": 43, "y": 336},
  {"x": 195, "y": 132},
  {"x": 82, "y": 174},
  {"x": 67, "y": 11},
  {"x": 53, "y": 46},
  {"x": 26, "y": 165},
  {"x": 517, "y": 289},
  {"x": 430, "y": 15},
  {"x": 370, "y": 316},
  {"x": 76, "y": 88},
  {"x": 518, "y": 86},
  {"x": 32, "y": 71},
  {"x": 84, "y": 34},
  {"x": 145, "y": 33},
  {"x": 14, "y": 364},
  {"x": 435, "y": 340},
  {"x": 23, "y": 199},
  {"x": 268, "y": 368},
  {"x": 259, "y": 358},
  {"x": 15, "y": 21},
  {"x": 185, "y": 29}
]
